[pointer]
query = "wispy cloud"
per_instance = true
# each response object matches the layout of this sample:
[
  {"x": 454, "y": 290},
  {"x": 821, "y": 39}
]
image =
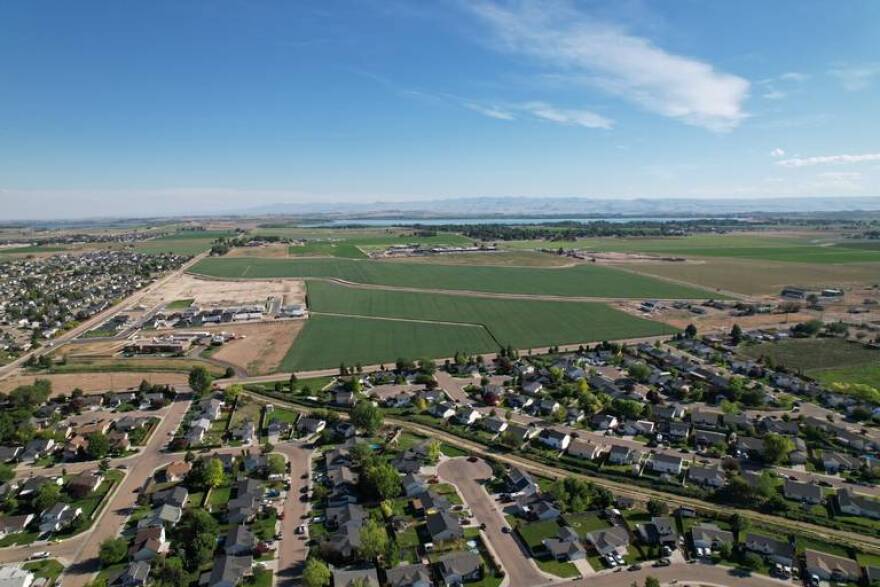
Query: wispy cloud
[
  {"x": 856, "y": 77},
  {"x": 794, "y": 76},
  {"x": 790, "y": 81},
  {"x": 542, "y": 111},
  {"x": 587, "y": 51},
  {"x": 828, "y": 160},
  {"x": 777, "y": 152}
]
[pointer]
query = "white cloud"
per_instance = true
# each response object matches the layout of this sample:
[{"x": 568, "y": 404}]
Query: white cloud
[
  {"x": 828, "y": 160},
  {"x": 777, "y": 152},
  {"x": 856, "y": 77},
  {"x": 794, "y": 76},
  {"x": 491, "y": 111},
  {"x": 571, "y": 117},
  {"x": 774, "y": 95},
  {"x": 580, "y": 50}
]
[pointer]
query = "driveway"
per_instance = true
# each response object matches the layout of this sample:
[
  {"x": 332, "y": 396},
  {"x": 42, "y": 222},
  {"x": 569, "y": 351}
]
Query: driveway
[
  {"x": 467, "y": 477},
  {"x": 292, "y": 550}
]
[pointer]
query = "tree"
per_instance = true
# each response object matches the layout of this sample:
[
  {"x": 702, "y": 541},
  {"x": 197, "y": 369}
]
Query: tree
[
  {"x": 214, "y": 474},
  {"x": 231, "y": 393},
  {"x": 48, "y": 495},
  {"x": 99, "y": 446},
  {"x": 752, "y": 561},
  {"x": 725, "y": 550},
  {"x": 200, "y": 380},
  {"x": 736, "y": 334},
  {"x": 652, "y": 581},
  {"x": 690, "y": 331},
  {"x": 196, "y": 537},
  {"x": 170, "y": 573},
  {"x": 6, "y": 473},
  {"x": 629, "y": 409},
  {"x": 293, "y": 381},
  {"x": 382, "y": 480},
  {"x": 367, "y": 417},
  {"x": 316, "y": 573},
  {"x": 374, "y": 540},
  {"x": 113, "y": 550},
  {"x": 276, "y": 464},
  {"x": 776, "y": 448},
  {"x": 433, "y": 451},
  {"x": 657, "y": 507}
]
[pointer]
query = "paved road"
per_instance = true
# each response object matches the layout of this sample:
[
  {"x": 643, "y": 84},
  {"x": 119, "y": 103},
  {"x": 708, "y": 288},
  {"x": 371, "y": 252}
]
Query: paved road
[
  {"x": 681, "y": 575},
  {"x": 293, "y": 551},
  {"x": 467, "y": 477}
]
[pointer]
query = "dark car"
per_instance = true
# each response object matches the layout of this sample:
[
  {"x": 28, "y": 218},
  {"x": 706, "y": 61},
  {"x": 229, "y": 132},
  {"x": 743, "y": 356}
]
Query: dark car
[{"x": 472, "y": 459}]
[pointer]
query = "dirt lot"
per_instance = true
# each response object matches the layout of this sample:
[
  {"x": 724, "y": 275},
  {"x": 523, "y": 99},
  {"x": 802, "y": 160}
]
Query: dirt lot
[
  {"x": 93, "y": 382},
  {"x": 104, "y": 348},
  {"x": 264, "y": 347},
  {"x": 274, "y": 250},
  {"x": 212, "y": 292}
]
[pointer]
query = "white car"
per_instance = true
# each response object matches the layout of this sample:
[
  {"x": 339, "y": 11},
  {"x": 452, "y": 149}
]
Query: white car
[{"x": 39, "y": 555}]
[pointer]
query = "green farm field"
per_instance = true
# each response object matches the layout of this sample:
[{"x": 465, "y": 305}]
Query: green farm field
[
  {"x": 578, "y": 281},
  {"x": 789, "y": 249},
  {"x": 354, "y": 247},
  {"x": 29, "y": 250},
  {"x": 182, "y": 243},
  {"x": 327, "y": 341},
  {"x": 521, "y": 323},
  {"x": 830, "y": 360}
]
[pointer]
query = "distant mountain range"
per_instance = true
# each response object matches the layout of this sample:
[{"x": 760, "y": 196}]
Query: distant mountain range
[{"x": 488, "y": 207}]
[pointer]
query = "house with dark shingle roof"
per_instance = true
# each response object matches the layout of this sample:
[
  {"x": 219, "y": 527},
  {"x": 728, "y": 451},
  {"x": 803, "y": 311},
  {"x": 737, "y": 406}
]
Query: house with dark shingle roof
[
  {"x": 443, "y": 527},
  {"x": 803, "y": 492}
]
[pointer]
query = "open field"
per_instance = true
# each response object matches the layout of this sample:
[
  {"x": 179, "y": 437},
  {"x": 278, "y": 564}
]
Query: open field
[
  {"x": 817, "y": 357},
  {"x": 520, "y": 323},
  {"x": 326, "y": 341},
  {"x": 498, "y": 259},
  {"x": 270, "y": 250},
  {"x": 355, "y": 247},
  {"x": 212, "y": 292},
  {"x": 577, "y": 281},
  {"x": 753, "y": 277},
  {"x": 181, "y": 243},
  {"x": 814, "y": 249},
  {"x": 30, "y": 250},
  {"x": 94, "y": 382},
  {"x": 864, "y": 374},
  {"x": 264, "y": 348},
  {"x": 138, "y": 364}
]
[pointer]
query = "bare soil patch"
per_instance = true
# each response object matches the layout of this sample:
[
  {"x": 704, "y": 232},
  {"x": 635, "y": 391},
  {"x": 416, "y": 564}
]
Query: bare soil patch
[
  {"x": 264, "y": 347},
  {"x": 273, "y": 250},
  {"x": 215, "y": 292},
  {"x": 94, "y": 382}
]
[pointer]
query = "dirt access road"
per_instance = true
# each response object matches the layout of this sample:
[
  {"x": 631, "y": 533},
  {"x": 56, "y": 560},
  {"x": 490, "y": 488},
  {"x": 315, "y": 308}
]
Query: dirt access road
[{"x": 468, "y": 477}]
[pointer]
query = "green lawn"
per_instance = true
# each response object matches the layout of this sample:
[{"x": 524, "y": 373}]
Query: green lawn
[
  {"x": 815, "y": 354},
  {"x": 579, "y": 281},
  {"x": 219, "y": 497},
  {"x": 49, "y": 569},
  {"x": 520, "y": 323},
  {"x": 326, "y": 341},
  {"x": 180, "y": 304},
  {"x": 563, "y": 569},
  {"x": 533, "y": 533},
  {"x": 27, "y": 250},
  {"x": 584, "y": 522},
  {"x": 791, "y": 249}
]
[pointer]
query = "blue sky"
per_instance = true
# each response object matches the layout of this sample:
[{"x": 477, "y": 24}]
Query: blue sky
[{"x": 166, "y": 107}]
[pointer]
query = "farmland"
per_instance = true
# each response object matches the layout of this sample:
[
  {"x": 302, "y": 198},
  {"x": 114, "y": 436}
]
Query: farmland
[
  {"x": 520, "y": 323},
  {"x": 355, "y": 247},
  {"x": 577, "y": 281},
  {"x": 326, "y": 341},
  {"x": 829, "y": 360},
  {"x": 790, "y": 249},
  {"x": 181, "y": 243}
]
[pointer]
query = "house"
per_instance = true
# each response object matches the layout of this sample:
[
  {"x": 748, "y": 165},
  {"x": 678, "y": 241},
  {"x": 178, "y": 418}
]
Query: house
[
  {"x": 175, "y": 496},
  {"x": 604, "y": 422},
  {"x": 413, "y": 485},
  {"x": 565, "y": 546},
  {"x": 239, "y": 540},
  {"x": 547, "y": 407},
  {"x": 340, "y": 515},
  {"x": 774, "y": 426},
  {"x": 521, "y": 434},
  {"x": 834, "y": 462},
  {"x": 211, "y": 408},
  {"x": 135, "y": 574},
  {"x": 246, "y": 433},
  {"x": 518, "y": 402},
  {"x": 148, "y": 543},
  {"x": 415, "y": 575},
  {"x": 356, "y": 577},
  {"x": 857, "y": 505},
  {"x": 553, "y": 438},
  {"x": 706, "y": 476},
  {"x": 443, "y": 410},
  {"x": 622, "y": 455},
  {"x": 660, "y": 531},
  {"x": 84, "y": 483},
  {"x": 704, "y": 419},
  {"x": 119, "y": 441},
  {"x": 9, "y": 454},
  {"x": 828, "y": 567},
  {"x": 308, "y": 425},
  {"x": 75, "y": 448},
  {"x": 777, "y": 551},
  {"x": 665, "y": 463},
  {"x": 344, "y": 398},
  {"x": 36, "y": 449},
  {"x": 609, "y": 540},
  {"x": 532, "y": 387},
  {"x": 518, "y": 482},
  {"x": 14, "y": 524},
  {"x": 176, "y": 471},
  {"x": 707, "y": 438},
  {"x": 443, "y": 526},
  {"x": 456, "y": 568},
  {"x": 710, "y": 536},
  {"x": 747, "y": 446},
  {"x": 467, "y": 415},
  {"x": 16, "y": 576},
  {"x": 808, "y": 493},
  {"x": 58, "y": 517},
  {"x": 635, "y": 427},
  {"x": 667, "y": 413},
  {"x": 229, "y": 571},
  {"x": 537, "y": 508},
  {"x": 196, "y": 434},
  {"x": 33, "y": 484},
  {"x": 494, "y": 424},
  {"x": 165, "y": 514},
  {"x": 584, "y": 449},
  {"x": 344, "y": 542}
]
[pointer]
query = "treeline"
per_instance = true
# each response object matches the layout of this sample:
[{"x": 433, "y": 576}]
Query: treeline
[{"x": 569, "y": 231}]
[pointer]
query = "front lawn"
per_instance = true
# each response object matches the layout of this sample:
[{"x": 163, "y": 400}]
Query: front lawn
[
  {"x": 565, "y": 570},
  {"x": 584, "y": 522},
  {"x": 534, "y": 533}
]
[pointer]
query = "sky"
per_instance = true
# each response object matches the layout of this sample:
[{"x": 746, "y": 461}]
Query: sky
[{"x": 169, "y": 107}]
